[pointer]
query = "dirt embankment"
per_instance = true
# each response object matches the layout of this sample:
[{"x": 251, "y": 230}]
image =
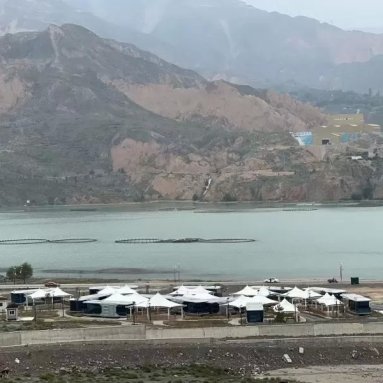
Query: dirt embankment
[{"x": 238, "y": 358}]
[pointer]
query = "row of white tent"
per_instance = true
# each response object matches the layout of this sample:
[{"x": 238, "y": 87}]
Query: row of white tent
[{"x": 126, "y": 296}]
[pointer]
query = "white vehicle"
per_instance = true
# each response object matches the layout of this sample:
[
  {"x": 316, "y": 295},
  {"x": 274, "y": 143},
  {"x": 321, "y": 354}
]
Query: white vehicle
[{"x": 271, "y": 280}]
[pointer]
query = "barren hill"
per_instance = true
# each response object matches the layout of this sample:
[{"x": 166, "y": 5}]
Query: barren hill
[{"x": 84, "y": 119}]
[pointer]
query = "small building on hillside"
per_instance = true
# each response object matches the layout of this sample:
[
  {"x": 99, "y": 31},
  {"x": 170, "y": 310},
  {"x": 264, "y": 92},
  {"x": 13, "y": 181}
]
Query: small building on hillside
[{"x": 357, "y": 304}]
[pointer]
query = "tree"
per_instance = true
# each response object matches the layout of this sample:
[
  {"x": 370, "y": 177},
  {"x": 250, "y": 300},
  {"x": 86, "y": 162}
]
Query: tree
[
  {"x": 12, "y": 274},
  {"x": 25, "y": 271}
]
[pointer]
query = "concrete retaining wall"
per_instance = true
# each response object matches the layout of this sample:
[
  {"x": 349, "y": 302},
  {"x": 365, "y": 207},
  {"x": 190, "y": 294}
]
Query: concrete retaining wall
[{"x": 141, "y": 333}]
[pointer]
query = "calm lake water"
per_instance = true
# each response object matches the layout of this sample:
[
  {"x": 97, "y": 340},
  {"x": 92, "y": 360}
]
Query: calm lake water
[{"x": 290, "y": 244}]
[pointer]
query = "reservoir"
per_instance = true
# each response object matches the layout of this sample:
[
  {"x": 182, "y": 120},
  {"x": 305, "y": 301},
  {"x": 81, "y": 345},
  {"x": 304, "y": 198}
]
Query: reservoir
[{"x": 291, "y": 243}]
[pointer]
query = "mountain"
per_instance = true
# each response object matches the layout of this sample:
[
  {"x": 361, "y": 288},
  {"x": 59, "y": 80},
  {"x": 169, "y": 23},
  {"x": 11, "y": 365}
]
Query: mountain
[
  {"x": 230, "y": 40},
  {"x": 220, "y": 39},
  {"x": 85, "y": 119}
]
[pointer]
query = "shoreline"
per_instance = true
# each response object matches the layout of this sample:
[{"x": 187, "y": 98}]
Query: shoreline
[{"x": 210, "y": 206}]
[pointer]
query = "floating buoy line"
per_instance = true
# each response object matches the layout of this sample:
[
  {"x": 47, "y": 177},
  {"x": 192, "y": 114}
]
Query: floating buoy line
[
  {"x": 37, "y": 241},
  {"x": 183, "y": 240}
]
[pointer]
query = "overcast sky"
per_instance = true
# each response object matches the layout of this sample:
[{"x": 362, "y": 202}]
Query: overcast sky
[{"x": 347, "y": 14}]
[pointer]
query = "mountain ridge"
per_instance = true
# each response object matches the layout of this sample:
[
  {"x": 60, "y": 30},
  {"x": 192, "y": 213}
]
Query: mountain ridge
[
  {"x": 72, "y": 128},
  {"x": 264, "y": 50}
]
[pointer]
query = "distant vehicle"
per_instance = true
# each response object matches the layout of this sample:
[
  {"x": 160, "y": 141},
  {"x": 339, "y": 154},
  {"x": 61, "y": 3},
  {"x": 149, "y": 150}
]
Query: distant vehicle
[
  {"x": 271, "y": 280},
  {"x": 51, "y": 284},
  {"x": 332, "y": 280}
]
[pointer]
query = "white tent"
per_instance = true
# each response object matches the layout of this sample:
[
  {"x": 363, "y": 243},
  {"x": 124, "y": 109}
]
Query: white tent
[
  {"x": 247, "y": 291},
  {"x": 295, "y": 293},
  {"x": 159, "y": 300},
  {"x": 286, "y": 307},
  {"x": 262, "y": 300},
  {"x": 311, "y": 294},
  {"x": 329, "y": 300},
  {"x": 240, "y": 302}
]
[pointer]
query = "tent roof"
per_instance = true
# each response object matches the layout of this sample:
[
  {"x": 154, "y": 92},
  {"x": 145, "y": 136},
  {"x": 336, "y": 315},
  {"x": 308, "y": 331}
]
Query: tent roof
[
  {"x": 58, "y": 293},
  {"x": 262, "y": 300},
  {"x": 311, "y": 294},
  {"x": 239, "y": 302},
  {"x": 247, "y": 291},
  {"x": 285, "y": 306},
  {"x": 108, "y": 290},
  {"x": 45, "y": 293},
  {"x": 329, "y": 300},
  {"x": 199, "y": 298},
  {"x": 295, "y": 293},
  {"x": 264, "y": 291},
  {"x": 120, "y": 299},
  {"x": 159, "y": 300},
  {"x": 190, "y": 290},
  {"x": 38, "y": 294},
  {"x": 355, "y": 298},
  {"x": 126, "y": 290}
]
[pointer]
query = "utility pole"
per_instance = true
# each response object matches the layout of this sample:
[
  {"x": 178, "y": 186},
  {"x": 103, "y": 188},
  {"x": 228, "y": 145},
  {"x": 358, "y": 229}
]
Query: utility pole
[{"x": 341, "y": 272}]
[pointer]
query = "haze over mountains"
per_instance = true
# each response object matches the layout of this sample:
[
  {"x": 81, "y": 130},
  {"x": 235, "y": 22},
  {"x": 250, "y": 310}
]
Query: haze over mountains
[
  {"x": 89, "y": 119},
  {"x": 224, "y": 39}
]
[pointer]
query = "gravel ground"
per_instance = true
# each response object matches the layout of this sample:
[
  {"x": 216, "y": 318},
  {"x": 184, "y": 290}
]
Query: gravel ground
[{"x": 221, "y": 361}]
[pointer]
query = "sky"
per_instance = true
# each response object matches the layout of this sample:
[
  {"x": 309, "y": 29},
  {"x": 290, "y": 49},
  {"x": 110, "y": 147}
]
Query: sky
[{"x": 348, "y": 14}]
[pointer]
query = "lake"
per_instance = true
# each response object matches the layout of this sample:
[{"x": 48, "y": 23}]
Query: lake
[{"x": 290, "y": 244}]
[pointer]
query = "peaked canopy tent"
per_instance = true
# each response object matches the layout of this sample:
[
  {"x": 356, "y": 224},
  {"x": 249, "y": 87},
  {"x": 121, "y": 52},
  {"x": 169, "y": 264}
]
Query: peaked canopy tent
[
  {"x": 295, "y": 293},
  {"x": 331, "y": 303},
  {"x": 199, "y": 303},
  {"x": 188, "y": 290},
  {"x": 58, "y": 293},
  {"x": 247, "y": 291},
  {"x": 260, "y": 299},
  {"x": 53, "y": 294},
  {"x": 159, "y": 301},
  {"x": 286, "y": 307},
  {"x": 329, "y": 300},
  {"x": 239, "y": 302},
  {"x": 311, "y": 294}
]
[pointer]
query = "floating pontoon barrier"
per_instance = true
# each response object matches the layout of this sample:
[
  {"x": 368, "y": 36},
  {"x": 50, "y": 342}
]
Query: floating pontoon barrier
[
  {"x": 35, "y": 241},
  {"x": 24, "y": 241},
  {"x": 183, "y": 240},
  {"x": 73, "y": 240}
]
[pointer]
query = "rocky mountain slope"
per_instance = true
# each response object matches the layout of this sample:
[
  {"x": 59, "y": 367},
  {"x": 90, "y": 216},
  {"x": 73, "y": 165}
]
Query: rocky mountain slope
[
  {"x": 83, "y": 119},
  {"x": 220, "y": 39}
]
